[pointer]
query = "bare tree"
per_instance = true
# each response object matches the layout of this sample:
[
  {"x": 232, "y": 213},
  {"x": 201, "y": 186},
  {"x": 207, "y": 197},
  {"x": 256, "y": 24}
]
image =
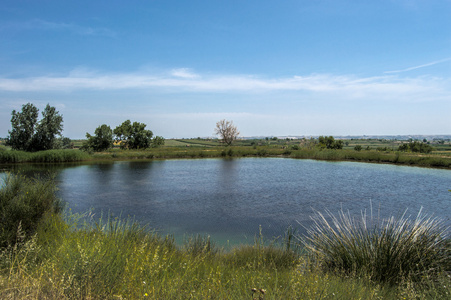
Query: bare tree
[{"x": 227, "y": 131}]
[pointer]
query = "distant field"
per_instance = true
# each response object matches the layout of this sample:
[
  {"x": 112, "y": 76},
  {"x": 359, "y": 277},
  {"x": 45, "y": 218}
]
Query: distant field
[
  {"x": 191, "y": 143},
  {"x": 366, "y": 144}
]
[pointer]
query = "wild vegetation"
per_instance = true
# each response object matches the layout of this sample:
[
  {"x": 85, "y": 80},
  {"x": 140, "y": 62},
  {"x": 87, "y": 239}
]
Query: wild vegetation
[
  {"x": 386, "y": 251},
  {"x": 28, "y": 134},
  {"x": 374, "y": 151},
  {"x": 65, "y": 256},
  {"x": 137, "y": 142},
  {"x": 49, "y": 156}
]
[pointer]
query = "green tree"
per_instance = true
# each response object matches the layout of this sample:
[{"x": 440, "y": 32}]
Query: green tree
[
  {"x": 133, "y": 136},
  {"x": 30, "y": 135},
  {"x": 65, "y": 143},
  {"x": 329, "y": 142},
  {"x": 415, "y": 146},
  {"x": 157, "y": 141},
  {"x": 23, "y": 128},
  {"x": 48, "y": 128},
  {"x": 101, "y": 140}
]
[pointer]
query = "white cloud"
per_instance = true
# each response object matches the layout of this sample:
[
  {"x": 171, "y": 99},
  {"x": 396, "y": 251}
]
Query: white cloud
[
  {"x": 419, "y": 66},
  {"x": 184, "y": 73},
  {"x": 424, "y": 88}
]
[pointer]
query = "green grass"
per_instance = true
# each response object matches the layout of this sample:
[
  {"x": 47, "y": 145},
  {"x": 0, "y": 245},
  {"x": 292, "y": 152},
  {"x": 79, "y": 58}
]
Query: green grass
[
  {"x": 78, "y": 257},
  {"x": 384, "y": 251},
  {"x": 49, "y": 156},
  {"x": 120, "y": 260},
  {"x": 381, "y": 151},
  {"x": 23, "y": 203}
]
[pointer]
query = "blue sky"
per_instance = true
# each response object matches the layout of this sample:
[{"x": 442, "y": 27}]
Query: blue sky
[{"x": 276, "y": 68}]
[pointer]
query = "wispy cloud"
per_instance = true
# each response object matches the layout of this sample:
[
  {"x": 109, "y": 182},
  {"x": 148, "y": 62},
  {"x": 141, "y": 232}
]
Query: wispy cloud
[
  {"x": 184, "y": 73},
  {"x": 185, "y": 81},
  {"x": 419, "y": 66},
  {"x": 38, "y": 24}
]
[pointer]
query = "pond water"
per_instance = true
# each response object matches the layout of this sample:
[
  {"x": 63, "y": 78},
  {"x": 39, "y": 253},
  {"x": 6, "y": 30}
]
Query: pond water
[{"x": 230, "y": 198}]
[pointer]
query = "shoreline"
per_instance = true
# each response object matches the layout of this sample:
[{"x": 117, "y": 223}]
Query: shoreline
[{"x": 437, "y": 161}]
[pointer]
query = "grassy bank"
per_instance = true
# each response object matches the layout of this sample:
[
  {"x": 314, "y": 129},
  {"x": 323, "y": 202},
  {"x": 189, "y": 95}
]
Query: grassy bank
[
  {"x": 64, "y": 257},
  {"x": 211, "y": 149},
  {"x": 399, "y": 158},
  {"x": 49, "y": 156},
  {"x": 372, "y": 156}
]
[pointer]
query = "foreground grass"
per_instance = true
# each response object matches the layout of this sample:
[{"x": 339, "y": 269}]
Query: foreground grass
[
  {"x": 70, "y": 257},
  {"x": 386, "y": 251},
  {"x": 119, "y": 260}
]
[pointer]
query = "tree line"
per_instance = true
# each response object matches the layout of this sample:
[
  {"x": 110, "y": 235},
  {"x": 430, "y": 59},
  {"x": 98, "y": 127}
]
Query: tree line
[
  {"x": 30, "y": 134},
  {"x": 129, "y": 136}
]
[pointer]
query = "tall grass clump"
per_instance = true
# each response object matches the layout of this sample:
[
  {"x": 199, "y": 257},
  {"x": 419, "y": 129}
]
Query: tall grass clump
[
  {"x": 24, "y": 202},
  {"x": 14, "y": 156},
  {"x": 48, "y": 156},
  {"x": 384, "y": 251},
  {"x": 57, "y": 156},
  {"x": 198, "y": 244}
]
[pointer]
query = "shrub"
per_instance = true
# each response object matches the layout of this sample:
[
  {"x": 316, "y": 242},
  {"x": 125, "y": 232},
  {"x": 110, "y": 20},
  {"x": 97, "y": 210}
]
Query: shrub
[
  {"x": 389, "y": 251},
  {"x": 416, "y": 146},
  {"x": 328, "y": 142},
  {"x": 24, "y": 202},
  {"x": 262, "y": 152}
]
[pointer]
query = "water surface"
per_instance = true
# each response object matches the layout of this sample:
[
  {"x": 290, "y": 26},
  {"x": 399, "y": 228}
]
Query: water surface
[{"x": 230, "y": 198}]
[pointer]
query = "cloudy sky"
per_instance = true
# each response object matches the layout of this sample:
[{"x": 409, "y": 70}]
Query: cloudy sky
[{"x": 276, "y": 68}]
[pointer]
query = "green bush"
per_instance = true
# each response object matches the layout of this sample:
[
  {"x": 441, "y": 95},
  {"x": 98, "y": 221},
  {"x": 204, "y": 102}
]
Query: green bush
[
  {"x": 390, "y": 251},
  {"x": 24, "y": 202},
  {"x": 416, "y": 146}
]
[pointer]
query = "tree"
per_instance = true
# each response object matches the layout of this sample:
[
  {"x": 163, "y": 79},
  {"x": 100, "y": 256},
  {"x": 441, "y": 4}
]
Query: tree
[
  {"x": 415, "y": 146},
  {"x": 23, "y": 127},
  {"x": 227, "y": 131},
  {"x": 63, "y": 143},
  {"x": 133, "y": 136},
  {"x": 29, "y": 135},
  {"x": 50, "y": 125},
  {"x": 329, "y": 142},
  {"x": 157, "y": 141},
  {"x": 102, "y": 139}
]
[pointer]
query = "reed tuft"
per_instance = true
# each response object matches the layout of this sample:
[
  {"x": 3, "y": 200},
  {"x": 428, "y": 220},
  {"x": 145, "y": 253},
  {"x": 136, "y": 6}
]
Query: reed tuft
[{"x": 388, "y": 251}]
